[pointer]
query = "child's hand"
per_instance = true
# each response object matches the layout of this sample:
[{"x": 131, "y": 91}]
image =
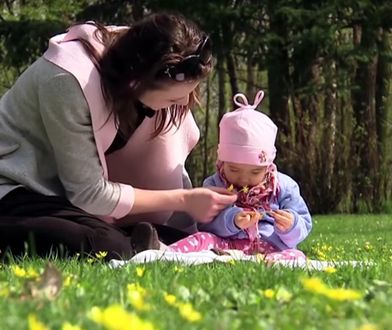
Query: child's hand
[
  {"x": 246, "y": 219},
  {"x": 284, "y": 220}
]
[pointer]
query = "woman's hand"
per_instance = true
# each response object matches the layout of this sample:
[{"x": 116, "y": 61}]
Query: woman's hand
[
  {"x": 284, "y": 220},
  {"x": 203, "y": 204}
]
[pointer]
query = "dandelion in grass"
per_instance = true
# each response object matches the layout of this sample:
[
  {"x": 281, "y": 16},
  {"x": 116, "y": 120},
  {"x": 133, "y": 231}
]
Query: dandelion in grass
[
  {"x": 69, "y": 326},
  {"x": 316, "y": 285},
  {"x": 100, "y": 255},
  {"x": 21, "y": 272},
  {"x": 68, "y": 280},
  {"x": 140, "y": 271},
  {"x": 136, "y": 297},
  {"x": 368, "y": 326},
  {"x": 343, "y": 294},
  {"x": 188, "y": 312},
  {"x": 4, "y": 290},
  {"x": 170, "y": 298},
  {"x": 283, "y": 295},
  {"x": 35, "y": 324},
  {"x": 368, "y": 246},
  {"x": 330, "y": 270},
  {"x": 268, "y": 293},
  {"x": 178, "y": 269},
  {"x": 115, "y": 317}
]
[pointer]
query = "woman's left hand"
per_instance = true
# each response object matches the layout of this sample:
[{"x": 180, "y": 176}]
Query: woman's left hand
[{"x": 284, "y": 220}]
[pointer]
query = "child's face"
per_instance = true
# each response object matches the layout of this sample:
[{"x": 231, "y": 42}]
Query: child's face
[{"x": 244, "y": 175}]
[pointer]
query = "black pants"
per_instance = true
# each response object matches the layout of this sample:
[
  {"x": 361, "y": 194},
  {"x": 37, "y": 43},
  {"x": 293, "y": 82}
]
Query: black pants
[{"x": 44, "y": 225}]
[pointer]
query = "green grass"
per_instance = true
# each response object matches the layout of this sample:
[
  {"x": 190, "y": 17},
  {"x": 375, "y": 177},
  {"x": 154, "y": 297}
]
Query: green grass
[{"x": 227, "y": 296}]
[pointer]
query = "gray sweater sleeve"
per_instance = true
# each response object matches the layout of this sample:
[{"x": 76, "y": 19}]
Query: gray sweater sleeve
[{"x": 68, "y": 126}]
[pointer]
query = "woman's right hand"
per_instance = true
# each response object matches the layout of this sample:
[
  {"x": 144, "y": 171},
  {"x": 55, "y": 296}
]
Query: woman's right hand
[{"x": 203, "y": 204}]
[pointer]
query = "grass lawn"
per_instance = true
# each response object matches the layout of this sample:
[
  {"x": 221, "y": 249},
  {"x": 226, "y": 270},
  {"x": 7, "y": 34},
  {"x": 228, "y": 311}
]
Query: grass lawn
[{"x": 215, "y": 296}]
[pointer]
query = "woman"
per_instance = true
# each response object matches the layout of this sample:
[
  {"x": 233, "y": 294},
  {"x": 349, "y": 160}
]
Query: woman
[{"x": 98, "y": 130}]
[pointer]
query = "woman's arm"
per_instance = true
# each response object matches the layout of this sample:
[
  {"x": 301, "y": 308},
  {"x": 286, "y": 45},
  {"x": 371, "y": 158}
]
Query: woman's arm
[{"x": 203, "y": 204}]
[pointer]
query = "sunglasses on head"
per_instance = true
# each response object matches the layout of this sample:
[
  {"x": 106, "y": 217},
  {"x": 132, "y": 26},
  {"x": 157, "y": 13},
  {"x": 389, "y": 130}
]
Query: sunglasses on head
[{"x": 188, "y": 67}]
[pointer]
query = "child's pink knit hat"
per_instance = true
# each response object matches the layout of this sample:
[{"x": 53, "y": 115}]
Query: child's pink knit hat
[{"x": 247, "y": 136}]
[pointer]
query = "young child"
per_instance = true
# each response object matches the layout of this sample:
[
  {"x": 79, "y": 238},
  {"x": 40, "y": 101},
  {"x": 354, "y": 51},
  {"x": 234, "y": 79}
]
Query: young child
[{"x": 270, "y": 216}]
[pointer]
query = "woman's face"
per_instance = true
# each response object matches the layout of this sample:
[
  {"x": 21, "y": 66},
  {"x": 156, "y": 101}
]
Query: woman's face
[{"x": 171, "y": 94}]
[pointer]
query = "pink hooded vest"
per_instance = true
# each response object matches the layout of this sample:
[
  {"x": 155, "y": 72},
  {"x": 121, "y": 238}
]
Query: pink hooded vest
[{"x": 143, "y": 162}]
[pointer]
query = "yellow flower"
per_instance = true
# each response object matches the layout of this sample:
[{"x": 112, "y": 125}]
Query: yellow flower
[
  {"x": 283, "y": 295},
  {"x": 140, "y": 271},
  {"x": 21, "y": 272},
  {"x": 4, "y": 292},
  {"x": 136, "y": 295},
  {"x": 178, "y": 269},
  {"x": 343, "y": 294},
  {"x": 170, "y": 299},
  {"x": 116, "y": 317},
  {"x": 4, "y": 289},
  {"x": 230, "y": 188},
  {"x": 32, "y": 273},
  {"x": 101, "y": 254},
  {"x": 368, "y": 246},
  {"x": 69, "y": 326},
  {"x": 18, "y": 271},
  {"x": 268, "y": 293},
  {"x": 68, "y": 281},
  {"x": 188, "y": 312},
  {"x": 330, "y": 270},
  {"x": 314, "y": 284},
  {"x": 35, "y": 324},
  {"x": 368, "y": 326},
  {"x": 245, "y": 189}
]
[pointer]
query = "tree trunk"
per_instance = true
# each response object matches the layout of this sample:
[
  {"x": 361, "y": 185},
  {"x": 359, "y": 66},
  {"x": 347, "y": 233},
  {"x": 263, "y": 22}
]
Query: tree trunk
[
  {"x": 250, "y": 77},
  {"x": 232, "y": 74},
  {"x": 206, "y": 131},
  {"x": 384, "y": 113},
  {"x": 221, "y": 87},
  {"x": 365, "y": 129}
]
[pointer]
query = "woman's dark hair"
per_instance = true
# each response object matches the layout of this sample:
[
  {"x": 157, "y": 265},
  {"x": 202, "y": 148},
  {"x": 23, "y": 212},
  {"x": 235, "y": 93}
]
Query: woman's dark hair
[{"x": 141, "y": 58}]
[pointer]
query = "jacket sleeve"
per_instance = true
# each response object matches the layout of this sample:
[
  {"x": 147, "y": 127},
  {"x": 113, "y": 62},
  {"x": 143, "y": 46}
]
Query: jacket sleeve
[
  {"x": 223, "y": 224},
  {"x": 291, "y": 200},
  {"x": 67, "y": 122}
]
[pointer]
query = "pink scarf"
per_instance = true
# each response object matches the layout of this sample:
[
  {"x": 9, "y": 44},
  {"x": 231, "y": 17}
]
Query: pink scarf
[{"x": 256, "y": 197}]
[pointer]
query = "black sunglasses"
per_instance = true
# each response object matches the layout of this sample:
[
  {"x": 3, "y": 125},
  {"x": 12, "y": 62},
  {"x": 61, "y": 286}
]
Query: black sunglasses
[{"x": 188, "y": 67}]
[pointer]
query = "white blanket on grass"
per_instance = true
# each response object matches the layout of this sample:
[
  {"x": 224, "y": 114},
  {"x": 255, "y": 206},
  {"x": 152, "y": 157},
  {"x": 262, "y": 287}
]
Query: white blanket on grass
[{"x": 203, "y": 257}]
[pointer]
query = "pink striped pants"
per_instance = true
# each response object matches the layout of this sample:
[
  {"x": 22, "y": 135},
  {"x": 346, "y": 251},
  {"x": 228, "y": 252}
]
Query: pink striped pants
[{"x": 207, "y": 241}]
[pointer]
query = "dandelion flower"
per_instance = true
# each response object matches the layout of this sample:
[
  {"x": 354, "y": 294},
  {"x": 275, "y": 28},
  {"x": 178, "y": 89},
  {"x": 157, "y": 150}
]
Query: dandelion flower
[
  {"x": 140, "y": 271},
  {"x": 188, "y": 312},
  {"x": 35, "y": 324},
  {"x": 115, "y": 317},
  {"x": 268, "y": 293},
  {"x": 170, "y": 299},
  {"x": 69, "y": 326}
]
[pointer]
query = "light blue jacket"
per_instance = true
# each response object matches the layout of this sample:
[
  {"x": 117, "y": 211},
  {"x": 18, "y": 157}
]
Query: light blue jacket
[{"x": 289, "y": 198}]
